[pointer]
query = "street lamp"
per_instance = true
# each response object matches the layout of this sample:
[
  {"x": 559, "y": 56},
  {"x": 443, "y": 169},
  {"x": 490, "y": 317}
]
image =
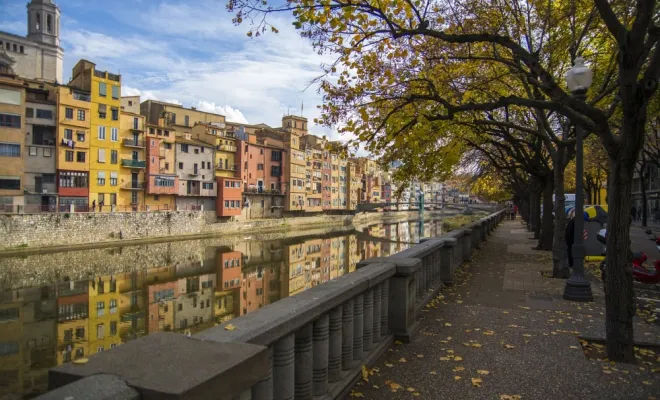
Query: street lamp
[{"x": 578, "y": 80}]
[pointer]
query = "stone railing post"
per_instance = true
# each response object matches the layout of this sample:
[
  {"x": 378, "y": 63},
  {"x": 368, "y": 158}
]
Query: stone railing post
[
  {"x": 467, "y": 244},
  {"x": 284, "y": 368},
  {"x": 320, "y": 353},
  {"x": 304, "y": 363},
  {"x": 335, "y": 350},
  {"x": 384, "y": 309},
  {"x": 368, "y": 326},
  {"x": 483, "y": 224},
  {"x": 376, "y": 313},
  {"x": 402, "y": 296},
  {"x": 358, "y": 329},
  {"x": 347, "y": 335},
  {"x": 447, "y": 260},
  {"x": 476, "y": 235}
]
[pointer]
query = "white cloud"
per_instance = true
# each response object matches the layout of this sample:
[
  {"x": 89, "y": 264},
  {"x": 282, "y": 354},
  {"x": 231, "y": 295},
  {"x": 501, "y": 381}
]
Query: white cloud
[{"x": 231, "y": 114}]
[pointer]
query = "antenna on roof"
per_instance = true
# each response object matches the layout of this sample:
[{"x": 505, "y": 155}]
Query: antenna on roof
[{"x": 302, "y": 107}]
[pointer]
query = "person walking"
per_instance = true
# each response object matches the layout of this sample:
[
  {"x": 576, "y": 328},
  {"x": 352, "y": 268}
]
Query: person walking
[{"x": 514, "y": 212}]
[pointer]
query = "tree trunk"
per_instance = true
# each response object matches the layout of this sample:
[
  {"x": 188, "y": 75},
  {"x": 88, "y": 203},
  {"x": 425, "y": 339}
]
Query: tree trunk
[
  {"x": 536, "y": 213},
  {"x": 620, "y": 306},
  {"x": 559, "y": 256},
  {"x": 642, "y": 184},
  {"x": 547, "y": 234}
]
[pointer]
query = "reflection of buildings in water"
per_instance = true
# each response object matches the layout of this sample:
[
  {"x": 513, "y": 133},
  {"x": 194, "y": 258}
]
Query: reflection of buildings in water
[
  {"x": 228, "y": 289},
  {"x": 326, "y": 255},
  {"x": 72, "y": 320},
  {"x": 261, "y": 281}
]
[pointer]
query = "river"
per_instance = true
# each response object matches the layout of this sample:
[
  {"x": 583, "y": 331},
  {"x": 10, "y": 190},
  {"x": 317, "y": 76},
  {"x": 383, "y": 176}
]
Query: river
[{"x": 58, "y": 307}]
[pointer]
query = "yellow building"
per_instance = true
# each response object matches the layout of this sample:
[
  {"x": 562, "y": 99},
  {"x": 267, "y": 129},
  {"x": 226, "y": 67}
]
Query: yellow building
[
  {"x": 72, "y": 320},
  {"x": 296, "y": 169},
  {"x": 104, "y": 163},
  {"x": 12, "y": 139},
  {"x": 224, "y": 143},
  {"x": 104, "y": 316},
  {"x": 12, "y": 366},
  {"x": 132, "y": 179}
]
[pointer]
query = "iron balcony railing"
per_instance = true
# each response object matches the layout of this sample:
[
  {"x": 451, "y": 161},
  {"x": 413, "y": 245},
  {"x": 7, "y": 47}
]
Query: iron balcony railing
[
  {"x": 135, "y": 186},
  {"x": 130, "y": 142},
  {"x": 130, "y": 163}
]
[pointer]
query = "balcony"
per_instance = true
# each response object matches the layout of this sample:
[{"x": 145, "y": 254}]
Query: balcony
[
  {"x": 262, "y": 190},
  {"x": 134, "y": 186},
  {"x": 129, "y": 163},
  {"x": 137, "y": 127},
  {"x": 44, "y": 188},
  {"x": 226, "y": 147},
  {"x": 220, "y": 166},
  {"x": 130, "y": 142}
]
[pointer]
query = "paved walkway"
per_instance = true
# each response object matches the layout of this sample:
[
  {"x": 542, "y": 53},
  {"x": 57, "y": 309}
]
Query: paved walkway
[{"x": 503, "y": 332}]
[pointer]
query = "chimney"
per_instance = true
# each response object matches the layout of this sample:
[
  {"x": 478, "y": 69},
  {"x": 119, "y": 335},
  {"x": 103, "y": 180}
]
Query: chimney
[{"x": 193, "y": 108}]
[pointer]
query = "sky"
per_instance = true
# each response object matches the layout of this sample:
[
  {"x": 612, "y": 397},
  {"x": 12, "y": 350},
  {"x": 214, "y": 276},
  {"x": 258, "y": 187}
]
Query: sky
[{"x": 188, "y": 52}]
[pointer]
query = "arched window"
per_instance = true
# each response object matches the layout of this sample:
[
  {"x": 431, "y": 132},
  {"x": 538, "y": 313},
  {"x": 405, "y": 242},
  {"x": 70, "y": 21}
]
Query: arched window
[
  {"x": 49, "y": 23},
  {"x": 38, "y": 26}
]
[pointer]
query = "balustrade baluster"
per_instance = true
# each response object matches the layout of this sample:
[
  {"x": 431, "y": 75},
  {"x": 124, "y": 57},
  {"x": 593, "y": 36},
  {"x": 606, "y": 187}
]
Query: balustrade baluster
[
  {"x": 347, "y": 330},
  {"x": 358, "y": 329},
  {"x": 284, "y": 368},
  {"x": 376, "y": 313},
  {"x": 385, "y": 309},
  {"x": 335, "y": 349},
  {"x": 304, "y": 363},
  {"x": 320, "y": 354},
  {"x": 368, "y": 336}
]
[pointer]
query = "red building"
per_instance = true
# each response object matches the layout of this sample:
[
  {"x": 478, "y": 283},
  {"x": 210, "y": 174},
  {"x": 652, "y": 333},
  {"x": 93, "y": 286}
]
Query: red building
[
  {"x": 261, "y": 160},
  {"x": 326, "y": 176},
  {"x": 229, "y": 201}
]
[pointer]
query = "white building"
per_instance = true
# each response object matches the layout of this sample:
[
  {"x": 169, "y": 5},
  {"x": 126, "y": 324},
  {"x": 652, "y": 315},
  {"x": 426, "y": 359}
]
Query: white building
[{"x": 37, "y": 55}]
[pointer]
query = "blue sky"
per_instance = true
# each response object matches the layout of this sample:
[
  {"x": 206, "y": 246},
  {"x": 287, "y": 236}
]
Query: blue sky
[{"x": 189, "y": 52}]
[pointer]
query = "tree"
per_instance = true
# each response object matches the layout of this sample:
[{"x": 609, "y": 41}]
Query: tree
[{"x": 401, "y": 63}]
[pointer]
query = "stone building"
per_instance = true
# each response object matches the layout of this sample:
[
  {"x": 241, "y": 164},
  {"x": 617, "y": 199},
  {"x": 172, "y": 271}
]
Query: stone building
[
  {"x": 37, "y": 55},
  {"x": 197, "y": 185}
]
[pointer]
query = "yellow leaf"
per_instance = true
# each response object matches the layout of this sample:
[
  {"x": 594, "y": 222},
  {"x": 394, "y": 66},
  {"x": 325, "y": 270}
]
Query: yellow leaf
[
  {"x": 509, "y": 346},
  {"x": 457, "y": 369},
  {"x": 447, "y": 324},
  {"x": 477, "y": 345},
  {"x": 466, "y": 344},
  {"x": 389, "y": 365},
  {"x": 527, "y": 335},
  {"x": 646, "y": 382},
  {"x": 410, "y": 389},
  {"x": 510, "y": 397},
  {"x": 397, "y": 342},
  {"x": 365, "y": 374},
  {"x": 356, "y": 394},
  {"x": 230, "y": 327},
  {"x": 394, "y": 386},
  {"x": 488, "y": 333},
  {"x": 468, "y": 330},
  {"x": 433, "y": 373},
  {"x": 607, "y": 371},
  {"x": 83, "y": 360},
  {"x": 402, "y": 360},
  {"x": 476, "y": 382},
  {"x": 458, "y": 358},
  {"x": 482, "y": 372},
  {"x": 573, "y": 347},
  {"x": 416, "y": 394},
  {"x": 450, "y": 351},
  {"x": 420, "y": 355},
  {"x": 457, "y": 378}
]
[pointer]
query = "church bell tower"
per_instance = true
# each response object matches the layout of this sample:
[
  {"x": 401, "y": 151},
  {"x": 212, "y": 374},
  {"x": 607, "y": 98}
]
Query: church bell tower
[{"x": 44, "y": 22}]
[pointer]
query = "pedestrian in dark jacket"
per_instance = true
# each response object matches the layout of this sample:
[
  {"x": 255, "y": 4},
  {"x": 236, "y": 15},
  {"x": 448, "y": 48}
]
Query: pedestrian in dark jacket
[{"x": 570, "y": 239}]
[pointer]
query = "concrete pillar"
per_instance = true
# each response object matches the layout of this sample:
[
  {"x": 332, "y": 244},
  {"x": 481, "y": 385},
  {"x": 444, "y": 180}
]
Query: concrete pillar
[
  {"x": 384, "y": 308},
  {"x": 376, "y": 316},
  {"x": 304, "y": 363},
  {"x": 321, "y": 334},
  {"x": 402, "y": 295},
  {"x": 284, "y": 368},
  {"x": 446, "y": 267},
  {"x": 368, "y": 327},
  {"x": 335, "y": 349},
  {"x": 476, "y": 235},
  {"x": 347, "y": 335},
  {"x": 263, "y": 390},
  {"x": 467, "y": 244},
  {"x": 483, "y": 230},
  {"x": 358, "y": 329}
]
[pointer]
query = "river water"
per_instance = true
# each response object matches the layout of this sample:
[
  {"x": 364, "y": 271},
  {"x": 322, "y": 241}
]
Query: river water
[{"x": 58, "y": 307}]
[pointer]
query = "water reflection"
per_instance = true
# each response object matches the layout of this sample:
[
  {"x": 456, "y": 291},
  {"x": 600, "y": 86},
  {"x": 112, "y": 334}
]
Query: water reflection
[{"x": 46, "y": 324}]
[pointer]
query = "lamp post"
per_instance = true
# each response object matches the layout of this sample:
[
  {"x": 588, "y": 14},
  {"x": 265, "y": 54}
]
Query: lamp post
[{"x": 578, "y": 80}]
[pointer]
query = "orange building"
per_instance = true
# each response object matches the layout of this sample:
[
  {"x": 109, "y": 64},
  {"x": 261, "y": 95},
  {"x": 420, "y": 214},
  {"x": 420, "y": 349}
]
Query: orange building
[{"x": 230, "y": 195}]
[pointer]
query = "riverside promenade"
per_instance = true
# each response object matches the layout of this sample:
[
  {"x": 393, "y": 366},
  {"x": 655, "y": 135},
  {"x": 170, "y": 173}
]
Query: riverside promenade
[{"x": 502, "y": 331}]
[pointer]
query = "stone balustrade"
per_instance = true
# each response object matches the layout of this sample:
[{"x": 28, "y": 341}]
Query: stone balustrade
[{"x": 312, "y": 345}]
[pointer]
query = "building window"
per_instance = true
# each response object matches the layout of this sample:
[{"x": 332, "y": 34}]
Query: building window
[
  {"x": 163, "y": 182},
  {"x": 73, "y": 179},
  {"x": 260, "y": 167},
  {"x": 80, "y": 136},
  {"x": 101, "y": 132},
  {"x": 44, "y": 114},
  {"x": 33, "y": 151},
  {"x": 115, "y": 114},
  {"x": 114, "y": 134},
  {"x": 68, "y": 134},
  {"x": 113, "y": 179},
  {"x": 22, "y": 50},
  {"x": 186, "y": 120},
  {"x": 68, "y": 113},
  {"x": 115, "y": 93},
  {"x": 29, "y": 112},
  {"x": 113, "y": 326},
  {"x": 10, "y": 120},
  {"x": 167, "y": 165},
  {"x": 102, "y": 113},
  {"x": 261, "y": 152},
  {"x": 173, "y": 118},
  {"x": 80, "y": 156},
  {"x": 101, "y": 155},
  {"x": 180, "y": 165},
  {"x": 184, "y": 148},
  {"x": 226, "y": 203},
  {"x": 81, "y": 115},
  {"x": 10, "y": 182},
  {"x": 102, "y": 89},
  {"x": 275, "y": 171},
  {"x": 276, "y": 155},
  {"x": 156, "y": 197},
  {"x": 208, "y": 186},
  {"x": 10, "y": 150},
  {"x": 69, "y": 156},
  {"x": 168, "y": 146},
  {"x": 48, "y": 152},
  {"x": 196, "y": 151},
  {"x": 113, "y": 156}
]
